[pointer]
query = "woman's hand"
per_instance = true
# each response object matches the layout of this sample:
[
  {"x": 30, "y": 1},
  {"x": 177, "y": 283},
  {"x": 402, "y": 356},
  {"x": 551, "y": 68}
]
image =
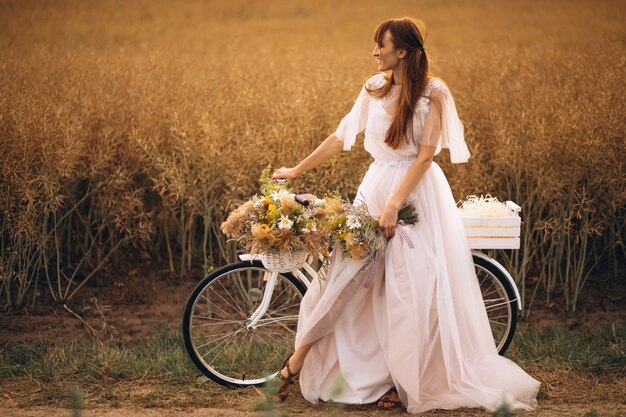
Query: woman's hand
[
  {"x": 388, "y": 219},
  {"x": 287, "y": 173}
]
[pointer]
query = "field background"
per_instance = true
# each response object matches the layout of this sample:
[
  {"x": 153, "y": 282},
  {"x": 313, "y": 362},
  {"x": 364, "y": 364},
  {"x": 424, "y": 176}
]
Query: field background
[{"x": 129, "y": 129}]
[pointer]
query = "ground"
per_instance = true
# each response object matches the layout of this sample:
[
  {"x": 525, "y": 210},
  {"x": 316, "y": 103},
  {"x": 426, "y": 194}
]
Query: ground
[{"x": 128, "y": 311}]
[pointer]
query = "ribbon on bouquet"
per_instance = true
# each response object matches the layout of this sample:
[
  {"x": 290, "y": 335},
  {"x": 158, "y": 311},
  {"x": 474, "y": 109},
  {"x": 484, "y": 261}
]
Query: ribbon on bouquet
[{"x": 375, "y": 265}]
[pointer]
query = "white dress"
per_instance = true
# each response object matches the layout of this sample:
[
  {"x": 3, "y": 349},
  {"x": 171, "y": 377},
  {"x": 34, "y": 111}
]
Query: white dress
[{"x": 422, "y": 326}]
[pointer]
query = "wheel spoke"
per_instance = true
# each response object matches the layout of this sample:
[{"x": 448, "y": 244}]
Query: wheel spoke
[
  {"x": 278, "y": 297},
  {"x": 221, "y": 322},
  {"x": 496, "y": 304},
  {"x": 225, "y": 346},
  {"x": 230, "y": 305},
  {"x": 223, "y": 337},
  {"x": 221, "y": 309},
  {"x": 282, "y": 307},
  {"x": 230, "y": 295}
]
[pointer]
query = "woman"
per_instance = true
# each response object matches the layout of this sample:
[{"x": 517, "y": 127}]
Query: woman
[{"x": 419, "y": 336}]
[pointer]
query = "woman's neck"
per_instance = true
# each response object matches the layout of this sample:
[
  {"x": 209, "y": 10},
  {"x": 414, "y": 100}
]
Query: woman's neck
[{"x": 397, "y": 78}]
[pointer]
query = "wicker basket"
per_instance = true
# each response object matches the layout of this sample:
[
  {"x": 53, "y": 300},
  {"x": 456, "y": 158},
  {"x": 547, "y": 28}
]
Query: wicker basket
[{"x": 285, "y": 261}]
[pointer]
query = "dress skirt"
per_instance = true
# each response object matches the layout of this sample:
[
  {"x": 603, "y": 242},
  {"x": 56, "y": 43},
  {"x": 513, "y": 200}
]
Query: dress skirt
[{"x": 421, "y": 326}]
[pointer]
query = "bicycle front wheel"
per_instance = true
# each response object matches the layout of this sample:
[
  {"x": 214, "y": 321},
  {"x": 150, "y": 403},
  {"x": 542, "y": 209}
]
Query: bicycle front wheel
[{"x": 215, "y": 324}]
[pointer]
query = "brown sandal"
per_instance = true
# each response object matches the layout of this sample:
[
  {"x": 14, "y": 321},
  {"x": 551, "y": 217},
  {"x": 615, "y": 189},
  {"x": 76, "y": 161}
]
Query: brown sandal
[
  {"x": 287, "y": 381},
  {"x": 386, "y": 402}
]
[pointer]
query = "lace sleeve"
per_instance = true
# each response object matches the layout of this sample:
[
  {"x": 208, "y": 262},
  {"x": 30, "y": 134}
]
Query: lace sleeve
[
  {"x": 431, "y": 130},
  {"x": 354, "y": 122},
  {"x": 442, "y": 126}
]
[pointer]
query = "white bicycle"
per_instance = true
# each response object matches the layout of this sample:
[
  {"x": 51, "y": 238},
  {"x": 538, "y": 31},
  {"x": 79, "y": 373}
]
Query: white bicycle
[{"x": 240, "y": 321}]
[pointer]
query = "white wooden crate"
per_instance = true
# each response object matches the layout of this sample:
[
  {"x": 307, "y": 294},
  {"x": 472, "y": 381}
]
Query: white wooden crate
[{"x": 494, "y": 232}]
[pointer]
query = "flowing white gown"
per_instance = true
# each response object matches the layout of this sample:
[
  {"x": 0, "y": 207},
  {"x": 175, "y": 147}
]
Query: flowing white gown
[{"x": 422, "y": 326}]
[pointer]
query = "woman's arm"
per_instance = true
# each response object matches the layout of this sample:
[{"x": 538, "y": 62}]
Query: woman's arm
[
  {"x": 331, "y": 146},
  {"x": 342, "y": 139},
  {"x": 389, "y": 216},
  {"x": 431, "y": 134}
]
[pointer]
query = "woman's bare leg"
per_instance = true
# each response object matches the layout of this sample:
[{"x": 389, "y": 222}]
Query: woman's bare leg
[
  {"x": 295, "y": 362},
  {"x": 297, "y": 359}
]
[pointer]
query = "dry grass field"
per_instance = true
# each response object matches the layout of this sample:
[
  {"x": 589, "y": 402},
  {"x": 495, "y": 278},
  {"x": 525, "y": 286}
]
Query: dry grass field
[
  {"x": 135, "y": 126},
  {"x": 130, "y": 128}
]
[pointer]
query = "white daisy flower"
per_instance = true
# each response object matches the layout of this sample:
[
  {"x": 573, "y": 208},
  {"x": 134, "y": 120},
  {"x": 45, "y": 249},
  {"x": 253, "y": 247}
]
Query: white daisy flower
[
  {"x": 311, "y": 227},
  {"x": 352, "y": 221},
  {"x": 277, "y": 195},
  {"x": 285, "y": 223}
]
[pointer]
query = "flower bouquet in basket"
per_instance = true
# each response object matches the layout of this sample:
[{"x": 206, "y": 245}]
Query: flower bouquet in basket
[
  {"x": 359, "y": 234},
  {"x": 278, "y": 227}
]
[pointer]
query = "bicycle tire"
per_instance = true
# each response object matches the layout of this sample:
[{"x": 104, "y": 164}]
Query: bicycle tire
[
  {"x": 498, "y": 279},
  {"x": 226, "y": 376}
]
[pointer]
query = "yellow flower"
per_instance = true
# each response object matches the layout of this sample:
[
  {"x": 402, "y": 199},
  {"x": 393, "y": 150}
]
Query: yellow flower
[{"x": 272, "y": 213}]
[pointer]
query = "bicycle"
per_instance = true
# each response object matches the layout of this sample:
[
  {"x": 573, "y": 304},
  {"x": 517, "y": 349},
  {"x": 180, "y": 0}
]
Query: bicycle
[{"x": 240, "y": 321}]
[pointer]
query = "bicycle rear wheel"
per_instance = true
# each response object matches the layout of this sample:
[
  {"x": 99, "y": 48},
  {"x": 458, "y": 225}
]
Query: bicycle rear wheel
[
  {"x": 215, "y": 321},
  {"x": 500, "y": 301}
]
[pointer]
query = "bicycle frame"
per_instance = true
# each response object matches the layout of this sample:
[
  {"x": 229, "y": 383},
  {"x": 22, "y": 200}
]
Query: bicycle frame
[{"x": 269, "y": 287}]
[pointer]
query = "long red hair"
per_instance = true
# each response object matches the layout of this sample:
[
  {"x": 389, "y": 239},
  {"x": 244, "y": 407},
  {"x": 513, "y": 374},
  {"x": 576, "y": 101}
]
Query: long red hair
[{"x": 405, "y": 34}]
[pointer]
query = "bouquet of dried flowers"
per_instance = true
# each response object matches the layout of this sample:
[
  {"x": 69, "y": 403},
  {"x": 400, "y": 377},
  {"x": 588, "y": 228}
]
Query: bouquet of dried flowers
[
  {"x": 358, "y": 231},
  {"x": 276, "y": 222},
  {"x": 359, "y": 234}
]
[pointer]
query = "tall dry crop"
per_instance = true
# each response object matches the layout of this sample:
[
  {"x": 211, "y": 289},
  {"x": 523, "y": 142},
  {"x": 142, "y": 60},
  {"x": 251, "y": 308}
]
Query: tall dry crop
[{"x": 133, "y": 128}]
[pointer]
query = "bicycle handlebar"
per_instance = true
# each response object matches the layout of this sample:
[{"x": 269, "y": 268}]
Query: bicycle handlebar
[{"x": 303, "y": 199}]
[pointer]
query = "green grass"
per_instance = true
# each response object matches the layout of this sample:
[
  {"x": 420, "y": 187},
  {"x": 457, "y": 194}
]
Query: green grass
[
  {"x": 158, "y": 373},
  {"x": 254, "y": 357},
  {"x": 595, "y": 349},
  {"x": 163, "y": 357}
]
